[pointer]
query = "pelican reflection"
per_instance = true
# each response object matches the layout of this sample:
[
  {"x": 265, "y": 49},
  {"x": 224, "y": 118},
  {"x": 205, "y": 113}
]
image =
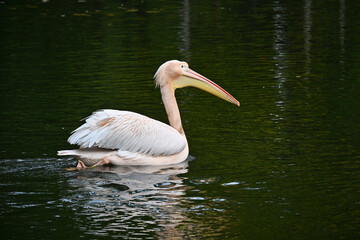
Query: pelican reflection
[{"x": 126, "y": 201}]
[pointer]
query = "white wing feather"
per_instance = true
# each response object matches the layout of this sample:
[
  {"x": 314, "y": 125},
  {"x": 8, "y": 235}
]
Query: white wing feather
[{"x": 128, "y": 131}]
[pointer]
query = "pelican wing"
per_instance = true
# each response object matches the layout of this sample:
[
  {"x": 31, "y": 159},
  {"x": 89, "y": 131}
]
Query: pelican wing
[{"x": 128, "y": 131}]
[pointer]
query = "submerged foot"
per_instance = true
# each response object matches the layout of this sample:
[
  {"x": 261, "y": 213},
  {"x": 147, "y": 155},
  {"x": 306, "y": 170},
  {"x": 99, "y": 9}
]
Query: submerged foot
[
  {"x": 102, "y": 162},
  {"x": 80, "y": 165}
]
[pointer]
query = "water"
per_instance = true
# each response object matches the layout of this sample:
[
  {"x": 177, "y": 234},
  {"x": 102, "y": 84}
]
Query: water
[{"x": 285, "y": 165}]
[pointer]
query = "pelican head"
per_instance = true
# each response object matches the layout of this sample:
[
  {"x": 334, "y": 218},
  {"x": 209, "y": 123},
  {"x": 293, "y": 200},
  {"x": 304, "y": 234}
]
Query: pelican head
[{"x": 177, "y": 74}]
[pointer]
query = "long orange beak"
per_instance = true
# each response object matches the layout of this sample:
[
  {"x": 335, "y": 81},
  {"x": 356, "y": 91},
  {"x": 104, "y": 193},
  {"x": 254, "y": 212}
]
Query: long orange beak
[{"x": 194, "y": 79}]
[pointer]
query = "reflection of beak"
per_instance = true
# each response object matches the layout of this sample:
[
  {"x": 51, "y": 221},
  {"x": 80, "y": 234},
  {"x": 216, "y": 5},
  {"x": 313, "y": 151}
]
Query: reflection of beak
[{"x": 194, "y": 79}]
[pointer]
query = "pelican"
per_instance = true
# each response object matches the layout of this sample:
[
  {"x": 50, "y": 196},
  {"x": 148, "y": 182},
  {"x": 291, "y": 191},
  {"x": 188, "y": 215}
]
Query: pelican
[{"x": 127, "y": 138}]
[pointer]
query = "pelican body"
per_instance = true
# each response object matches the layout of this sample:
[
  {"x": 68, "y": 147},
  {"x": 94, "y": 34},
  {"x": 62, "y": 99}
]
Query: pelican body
[{"x": 128, "y": 138}]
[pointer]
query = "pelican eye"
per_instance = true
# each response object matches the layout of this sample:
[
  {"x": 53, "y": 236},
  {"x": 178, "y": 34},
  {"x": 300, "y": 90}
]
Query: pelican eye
[{"x": 183, "y": 67}]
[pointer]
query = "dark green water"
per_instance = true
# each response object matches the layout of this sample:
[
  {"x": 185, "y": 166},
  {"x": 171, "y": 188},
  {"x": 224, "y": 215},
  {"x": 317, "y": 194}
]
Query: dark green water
[{"x": 285, "y": 165}]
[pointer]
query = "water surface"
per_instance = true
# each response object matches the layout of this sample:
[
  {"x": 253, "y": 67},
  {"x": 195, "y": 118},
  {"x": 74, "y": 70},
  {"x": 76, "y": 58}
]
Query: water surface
[{"x": 285, "y": 165}]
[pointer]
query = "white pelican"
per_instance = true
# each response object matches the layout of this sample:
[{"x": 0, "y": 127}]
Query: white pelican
[{"x": 128, "y": 138}]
